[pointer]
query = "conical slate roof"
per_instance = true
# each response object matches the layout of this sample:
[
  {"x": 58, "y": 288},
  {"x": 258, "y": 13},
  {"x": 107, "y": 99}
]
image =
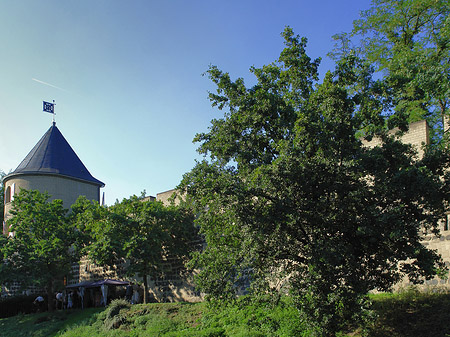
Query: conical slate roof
[{"x": 53, "y": 155}]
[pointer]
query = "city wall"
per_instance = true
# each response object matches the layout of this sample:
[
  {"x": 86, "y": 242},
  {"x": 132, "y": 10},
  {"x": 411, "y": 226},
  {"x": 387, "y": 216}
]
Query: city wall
[{"x": 418, "y": 136}]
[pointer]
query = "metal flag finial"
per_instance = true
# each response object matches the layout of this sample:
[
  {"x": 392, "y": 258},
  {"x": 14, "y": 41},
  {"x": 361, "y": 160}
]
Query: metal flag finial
[{"x": 50, "y": 108}]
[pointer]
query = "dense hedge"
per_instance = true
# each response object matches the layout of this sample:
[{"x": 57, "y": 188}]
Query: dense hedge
[{"x": 13, "y": 305}]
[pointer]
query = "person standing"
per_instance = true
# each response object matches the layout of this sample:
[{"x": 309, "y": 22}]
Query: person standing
[
  {"x": 59, "y": 300},
  {"x": 70, "y": 300}
]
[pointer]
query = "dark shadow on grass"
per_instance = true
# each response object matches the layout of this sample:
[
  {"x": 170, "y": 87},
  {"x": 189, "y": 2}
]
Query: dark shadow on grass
[{"x": 413, "y": 316}]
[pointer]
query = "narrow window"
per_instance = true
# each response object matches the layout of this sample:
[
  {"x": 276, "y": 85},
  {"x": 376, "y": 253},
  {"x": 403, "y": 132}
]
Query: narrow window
[
  {"x": 8, "y": 194},
  {"x": 446, "y": 223}
]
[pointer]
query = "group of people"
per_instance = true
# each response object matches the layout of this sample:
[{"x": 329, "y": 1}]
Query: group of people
[
  {"x": 92, "y": 298},
  {"x": 64, "y": 300}
]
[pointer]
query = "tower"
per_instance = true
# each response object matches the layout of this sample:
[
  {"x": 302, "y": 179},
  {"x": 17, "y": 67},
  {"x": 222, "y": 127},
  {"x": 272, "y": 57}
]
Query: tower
[{"x": 52, "y": 166}]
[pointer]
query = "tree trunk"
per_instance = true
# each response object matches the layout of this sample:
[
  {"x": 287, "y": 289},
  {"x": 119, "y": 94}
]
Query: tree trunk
[
  {"x": 50, "y": 296},
  {"x": 145, "y": 290}
]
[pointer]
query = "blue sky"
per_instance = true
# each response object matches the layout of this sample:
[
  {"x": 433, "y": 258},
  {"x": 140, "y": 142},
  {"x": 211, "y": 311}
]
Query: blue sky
[{"x": 127, "y": 80}]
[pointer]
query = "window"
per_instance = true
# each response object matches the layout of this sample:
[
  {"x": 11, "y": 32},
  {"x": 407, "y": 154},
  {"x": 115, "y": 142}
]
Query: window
[{"x": 8, "y": 194}]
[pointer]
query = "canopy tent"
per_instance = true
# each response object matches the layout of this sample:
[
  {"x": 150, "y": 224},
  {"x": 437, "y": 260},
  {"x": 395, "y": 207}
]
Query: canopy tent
[
  {"x": 92, "y": 284},
  {"x": 102, "y": 284},
  {"x": 108, "y": 282},
  {"x": 83, "y": 284}
]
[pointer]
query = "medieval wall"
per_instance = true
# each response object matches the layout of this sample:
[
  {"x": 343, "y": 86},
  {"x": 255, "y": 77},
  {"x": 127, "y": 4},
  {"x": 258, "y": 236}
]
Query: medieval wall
[
  {"x": 418, "y": 136},
  {"x": 166, "y": 197},
  {"x": 175, "y": 286},
  {"x": 442, "y": 245},
  {"x": 86, "y": 270},
  {"x": 178, "y": 283}
]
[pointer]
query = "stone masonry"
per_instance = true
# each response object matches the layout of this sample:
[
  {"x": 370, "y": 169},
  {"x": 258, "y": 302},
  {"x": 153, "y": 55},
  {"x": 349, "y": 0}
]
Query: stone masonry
[{"x": 418, "y": 136}]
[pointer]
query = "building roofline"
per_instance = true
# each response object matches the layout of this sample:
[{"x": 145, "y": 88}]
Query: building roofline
[
  {"x": 18, "y": 174},
  {"x": 53, "y": 155}
]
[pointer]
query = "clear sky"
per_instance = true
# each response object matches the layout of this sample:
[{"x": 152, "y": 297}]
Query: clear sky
[{"x": 127, "y": 80}]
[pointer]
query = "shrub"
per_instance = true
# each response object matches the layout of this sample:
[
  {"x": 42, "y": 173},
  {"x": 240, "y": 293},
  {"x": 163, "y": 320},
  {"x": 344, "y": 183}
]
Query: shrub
[
  {"x": 250, "y": 317},
  {"x": 114, "y": 318},
  {"x": 13, "y": 305}
]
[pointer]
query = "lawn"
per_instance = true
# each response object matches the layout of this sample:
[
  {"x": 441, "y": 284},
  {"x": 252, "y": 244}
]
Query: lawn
[
  {"x": 409, "y": 314},
  {"x": 46, "y": 324}
]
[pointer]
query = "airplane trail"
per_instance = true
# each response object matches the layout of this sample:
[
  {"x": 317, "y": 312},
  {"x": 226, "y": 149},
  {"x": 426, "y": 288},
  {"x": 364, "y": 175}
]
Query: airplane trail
[{"x": 50, "y": 85}]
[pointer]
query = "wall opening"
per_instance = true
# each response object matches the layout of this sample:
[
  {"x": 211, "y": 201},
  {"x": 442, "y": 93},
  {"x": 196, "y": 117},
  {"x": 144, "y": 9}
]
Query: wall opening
[{"x": 8, "y": 194}]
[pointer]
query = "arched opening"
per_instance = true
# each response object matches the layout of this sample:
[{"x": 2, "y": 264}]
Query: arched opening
[{"x": 8, "y": 194}]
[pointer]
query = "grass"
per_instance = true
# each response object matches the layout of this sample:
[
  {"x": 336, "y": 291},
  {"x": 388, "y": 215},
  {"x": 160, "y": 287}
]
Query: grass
[
  {"x": 45, "y": 324},
  {"x": 412, "y": 314},
  {"x": 399, "y": 315}
]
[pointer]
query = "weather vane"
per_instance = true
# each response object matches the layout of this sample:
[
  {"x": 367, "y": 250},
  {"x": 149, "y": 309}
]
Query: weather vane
[{"x": 50, "y": 108}]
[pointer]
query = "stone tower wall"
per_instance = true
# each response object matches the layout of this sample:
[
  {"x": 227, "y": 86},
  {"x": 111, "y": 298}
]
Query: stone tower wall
[{"x": 58, "y": 187}]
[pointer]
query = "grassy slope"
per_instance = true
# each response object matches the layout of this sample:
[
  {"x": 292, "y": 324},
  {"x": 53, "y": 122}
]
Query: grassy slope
[
  {"x": 403, "y": 315},
  {"x": 412, "y": 315},
  {"x": 45, "y": 324}
]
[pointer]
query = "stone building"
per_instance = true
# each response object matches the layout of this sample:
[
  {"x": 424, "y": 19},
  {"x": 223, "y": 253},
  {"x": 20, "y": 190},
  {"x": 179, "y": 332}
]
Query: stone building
[
  {"x": 51, "y": 166},
  {"x": 418, "y": 136}
]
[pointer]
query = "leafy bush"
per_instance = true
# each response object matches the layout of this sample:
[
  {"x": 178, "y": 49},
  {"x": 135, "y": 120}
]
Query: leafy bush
[
  {"x": 113, "y": 318},
  {"x": 11, "y": 306},
  {"x": 247, "y": 317},
  {"x": 142, "y": 320}
]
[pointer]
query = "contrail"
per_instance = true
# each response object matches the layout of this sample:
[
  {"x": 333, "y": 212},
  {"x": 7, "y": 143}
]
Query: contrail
[{"x": 50, "y": 85}]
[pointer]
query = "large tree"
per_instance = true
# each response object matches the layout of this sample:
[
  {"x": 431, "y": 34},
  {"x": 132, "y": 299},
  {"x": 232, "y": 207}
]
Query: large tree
[
  {"x": 291, "y": 200},
  {"x": 141, "y": 237},
  {"x": 2, "y": 197},
  {"x": 408, "y": 41},
  {"x": 43, "y": 246}
]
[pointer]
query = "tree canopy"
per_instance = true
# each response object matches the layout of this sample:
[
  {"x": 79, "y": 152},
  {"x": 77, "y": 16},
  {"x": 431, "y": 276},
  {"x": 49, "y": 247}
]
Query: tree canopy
[
  {"x": 408, "y": 42},
  {"x": 290, "y": 199},
  {"x": 2, "y": 196},
  {"x": 137, "y": 237},
  {"x": 43, "y": 246}
]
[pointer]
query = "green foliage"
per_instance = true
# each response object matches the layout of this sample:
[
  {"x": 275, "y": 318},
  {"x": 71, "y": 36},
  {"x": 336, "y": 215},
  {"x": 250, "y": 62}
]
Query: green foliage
[
  {"x": 406, "y": 314},
  {"x": 408, "y": 41},
  {"x": 47, "y": 324},
  {"x": 144, "y": 233},
  {"x": 101, "y": 230},
  {"x": 13, "y": 305},
  {"x": 410, "y": 313},
  {"x": 247, "y": 317},
  {"x": 44, "y": 245},
  {"x": 112, "y": 315},
  {"x": 291, "y": 199},
  {"x": 2, "y": 196},
  {"x": 115, "y": 307},
  {"x": 168, "y": 319}
]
